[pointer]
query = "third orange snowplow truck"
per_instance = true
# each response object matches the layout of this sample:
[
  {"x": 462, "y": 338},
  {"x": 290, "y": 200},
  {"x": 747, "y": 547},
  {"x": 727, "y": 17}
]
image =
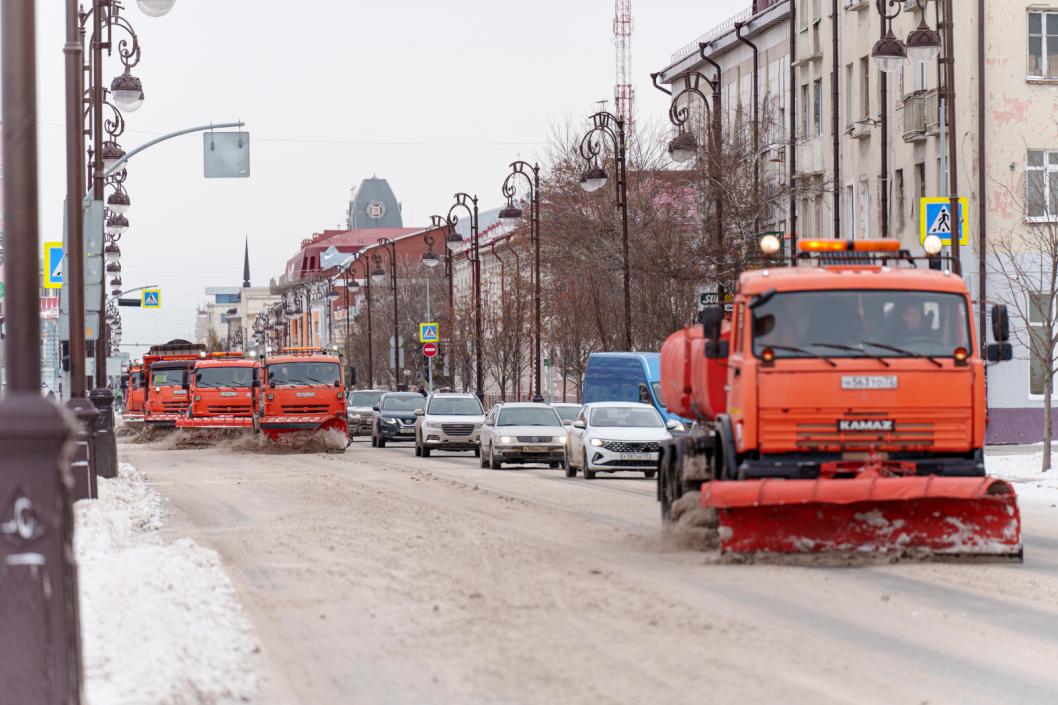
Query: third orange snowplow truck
[
  {"x": 841, "y": 409},
  {"x": 222, "y": 392},
  {"x": 303, "y": 390}
]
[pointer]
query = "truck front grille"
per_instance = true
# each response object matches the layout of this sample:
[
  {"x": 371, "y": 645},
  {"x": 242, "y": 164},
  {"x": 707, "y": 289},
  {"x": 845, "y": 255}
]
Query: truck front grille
[
  {"x": 233, "y": 410},
  {"x": 311, "y": 409}
]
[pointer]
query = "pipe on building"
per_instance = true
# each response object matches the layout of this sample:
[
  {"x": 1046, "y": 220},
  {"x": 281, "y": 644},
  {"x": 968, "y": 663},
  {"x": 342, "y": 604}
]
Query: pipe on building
[
  {"x": 953, "y": 141},
  {"x": 756, "y": 111},
  {"x": 982, "y": 209},
  {"x": 716, "y": 140},
  {"x": 793, "y": 132},
  {"x": 883, "y": 109},
  {"x": 835, "y": 113}
]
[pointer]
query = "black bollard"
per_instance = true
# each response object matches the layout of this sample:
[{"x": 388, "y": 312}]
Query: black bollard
[{"x": 106, "y": 445}]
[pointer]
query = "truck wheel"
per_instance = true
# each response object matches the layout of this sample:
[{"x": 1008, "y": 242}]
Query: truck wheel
[
  {"x": 493, "y": 463},
  {"x": 588, "y": 474},
  {"x": 425, "y": 452}
]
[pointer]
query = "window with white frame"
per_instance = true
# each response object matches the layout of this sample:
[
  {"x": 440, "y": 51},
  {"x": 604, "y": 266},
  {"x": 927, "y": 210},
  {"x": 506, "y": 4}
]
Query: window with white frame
[
  {"x": 1043, "y": 44},
  {"x": 817, "y": 107},
  {"x": 1041, "y": 185},
  {"x": 1040, "y": 352}
]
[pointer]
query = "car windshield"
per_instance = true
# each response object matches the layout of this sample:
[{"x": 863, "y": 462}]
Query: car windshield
[
  {"x": 364, "y": 399},
  {"x": 526, "y": 416},
  {"x": 223, "y": 377},
  {"x": 454, "y": 406},
  {"x": 851, "y": 323},
  {"x": 567, "y": 413},
  {"x": 626, "y": 417},
  {"x": 169, "y": 377},
  {"x": 303, "y": 374},
  {"x": 410, "y": 403}
]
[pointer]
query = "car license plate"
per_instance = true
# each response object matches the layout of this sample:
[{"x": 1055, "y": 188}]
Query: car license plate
[
  {"x": 535, "y": 449},
  {"x": 306, "y": 394},
  {"x": 229, "y": 394},
  {"x": 869, "y": 382},
  {"x": 637, "y": 456},
  {"x": 407, "y": 430}
]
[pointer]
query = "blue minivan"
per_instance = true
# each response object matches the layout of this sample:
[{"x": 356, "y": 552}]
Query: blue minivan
[{"x": 626, "y": 376}]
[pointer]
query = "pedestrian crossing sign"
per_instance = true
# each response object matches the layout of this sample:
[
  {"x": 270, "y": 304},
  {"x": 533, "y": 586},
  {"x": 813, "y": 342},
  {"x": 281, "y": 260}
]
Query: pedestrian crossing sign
[
  {"x": 429, "y": 333},
  {"x": 53, "y": 259},
  {"x": 152, "y": 298},
  {"x": 935, "y": 219}
]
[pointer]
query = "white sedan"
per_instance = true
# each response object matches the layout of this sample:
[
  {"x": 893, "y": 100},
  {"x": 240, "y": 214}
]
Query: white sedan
[{"x": 616, "y": 437}]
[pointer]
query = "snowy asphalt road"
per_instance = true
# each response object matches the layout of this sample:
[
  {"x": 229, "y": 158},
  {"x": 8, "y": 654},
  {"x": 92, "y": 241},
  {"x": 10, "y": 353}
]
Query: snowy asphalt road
[{"x": 379, "y": 577}]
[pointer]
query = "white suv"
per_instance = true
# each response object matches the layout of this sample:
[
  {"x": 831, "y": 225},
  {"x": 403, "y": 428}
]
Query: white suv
[
  {"x": 616, "y": 436},
  {"x": 448, "y": 422}
]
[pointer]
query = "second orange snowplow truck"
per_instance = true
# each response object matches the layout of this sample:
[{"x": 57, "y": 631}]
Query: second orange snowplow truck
[
  {"x": 842, "y": 409},
  {"x": 221, "y": 393},
  {"x": 302, "y": 389}
]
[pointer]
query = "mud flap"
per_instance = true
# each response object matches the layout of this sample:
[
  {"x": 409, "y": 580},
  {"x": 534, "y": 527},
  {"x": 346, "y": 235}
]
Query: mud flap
[{"x": 941, "y": 515}]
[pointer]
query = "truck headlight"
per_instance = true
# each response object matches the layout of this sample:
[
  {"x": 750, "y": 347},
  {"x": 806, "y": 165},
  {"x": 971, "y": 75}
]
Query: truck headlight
[{"x": 598, "y": 442}]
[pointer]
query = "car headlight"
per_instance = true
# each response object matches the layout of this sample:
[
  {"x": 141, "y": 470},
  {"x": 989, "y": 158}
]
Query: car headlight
[
  {"x": 392, "y": 422},
  {"x": 598, "y": 442},
  {"x": 477, "y": 426},
  {"x": 507, "y": 439},
  {"x": 430, "y": 427}
]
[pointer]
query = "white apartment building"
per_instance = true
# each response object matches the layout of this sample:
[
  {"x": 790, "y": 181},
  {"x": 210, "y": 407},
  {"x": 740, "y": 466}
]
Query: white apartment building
[{"x": 837, "y": 105}]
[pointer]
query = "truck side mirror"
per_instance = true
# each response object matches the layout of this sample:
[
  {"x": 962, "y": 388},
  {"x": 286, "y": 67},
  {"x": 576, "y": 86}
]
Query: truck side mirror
[
  {"x": 1000, "y": 324},
  {"x": 999, "y": 352}
]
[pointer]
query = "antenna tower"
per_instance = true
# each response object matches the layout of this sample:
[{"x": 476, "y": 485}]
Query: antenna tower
[{"x": 624, "y": 94}]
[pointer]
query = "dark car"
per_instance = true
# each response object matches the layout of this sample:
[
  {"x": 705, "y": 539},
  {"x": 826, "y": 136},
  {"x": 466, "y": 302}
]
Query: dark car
[{"x": 395, "y": 418}]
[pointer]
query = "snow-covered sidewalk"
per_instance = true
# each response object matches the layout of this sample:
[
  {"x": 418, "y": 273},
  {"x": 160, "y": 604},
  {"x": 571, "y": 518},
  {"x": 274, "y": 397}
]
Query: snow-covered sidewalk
[
  {"x": 1021, "y": 466},
  {"x": 160, "y": 622}
]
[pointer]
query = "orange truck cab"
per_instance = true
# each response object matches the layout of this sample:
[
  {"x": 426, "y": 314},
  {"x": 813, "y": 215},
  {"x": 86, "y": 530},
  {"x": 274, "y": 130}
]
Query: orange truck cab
[
  {"x": 303, "y": 389},
  {"x": 168, "y": 370},
  {"x": 222, "y": 390},
  {"x": 135, "y": 394},
  {"x": 836, "y": 391}
]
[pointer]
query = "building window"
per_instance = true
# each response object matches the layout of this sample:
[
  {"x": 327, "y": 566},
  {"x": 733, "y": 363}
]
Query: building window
[
  {"x": 1040, "y": 318},
  {"x": 1041, "y": 185},
  {"x": 1043, "y": 45},
  {"x": 865, "y": 87},
  {"x": 817, "y": 106},
  {"x": 849, "y": 95}
]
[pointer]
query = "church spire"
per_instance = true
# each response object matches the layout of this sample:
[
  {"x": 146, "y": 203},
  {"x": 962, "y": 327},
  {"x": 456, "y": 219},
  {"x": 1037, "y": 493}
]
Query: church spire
[{"x": 246, "y": 265}]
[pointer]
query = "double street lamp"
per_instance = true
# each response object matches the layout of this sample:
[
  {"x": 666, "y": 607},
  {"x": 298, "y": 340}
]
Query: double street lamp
[
  {"x": 378, "y": 275},
  {"x": 468, "y": 203},
  {"x": 607, "y": 126},
  {"x": 512, "y": 213}
]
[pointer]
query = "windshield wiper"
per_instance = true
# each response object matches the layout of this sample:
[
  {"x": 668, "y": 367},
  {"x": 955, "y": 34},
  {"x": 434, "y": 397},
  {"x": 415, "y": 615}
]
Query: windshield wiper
[
  {"x": 802, "y": 351},
  {"x": 850, "y": 348},
  {"x": 902, "y": 351}
]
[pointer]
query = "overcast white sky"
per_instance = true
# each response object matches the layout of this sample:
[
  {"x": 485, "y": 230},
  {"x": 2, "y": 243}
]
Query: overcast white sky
[{"x": 436, "y": 97}]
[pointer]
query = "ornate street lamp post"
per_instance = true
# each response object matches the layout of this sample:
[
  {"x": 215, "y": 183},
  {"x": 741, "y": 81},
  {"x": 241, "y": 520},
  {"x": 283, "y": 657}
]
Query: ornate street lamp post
[
  {"x": 470, "y": 205},
  {"x": 609, "y": 126},
  {"x": 378, "y": 275}
]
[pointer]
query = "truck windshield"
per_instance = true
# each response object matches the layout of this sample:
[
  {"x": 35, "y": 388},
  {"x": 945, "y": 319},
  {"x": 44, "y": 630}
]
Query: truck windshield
[
  {"x": 304, "y": 374},
  {"x": 169, "y": 377},
  {"x": 364, "y": 399},
  {"x": 858, "y": 323},
  {"x": 454, "y": 406},
  {"x": 224, "y": 377},
  {"x": 626, "y": 417},
  {"x": 544, "y": 416}
]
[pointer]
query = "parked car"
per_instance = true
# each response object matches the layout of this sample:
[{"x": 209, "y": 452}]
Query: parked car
[
  {"x": 395, "y": 418},
  {"x": 522, "y": 432},
  {"x": 566, "y": 411},
  {"x": 616, "y": 437},
  {"x": 628, "y": 377},
  {"x": 359, "y": 407},
  {"x": 449, "y": 422}
]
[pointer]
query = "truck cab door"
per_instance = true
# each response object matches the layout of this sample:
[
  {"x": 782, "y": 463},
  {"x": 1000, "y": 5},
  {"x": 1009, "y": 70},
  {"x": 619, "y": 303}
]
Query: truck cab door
[{"x": 736, "y": 368}]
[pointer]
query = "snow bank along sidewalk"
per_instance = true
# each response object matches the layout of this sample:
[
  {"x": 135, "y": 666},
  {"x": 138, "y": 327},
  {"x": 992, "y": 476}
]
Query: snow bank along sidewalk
[
  {"x": 1020, "y": 465},
  {"x": 160, "y": 621}
]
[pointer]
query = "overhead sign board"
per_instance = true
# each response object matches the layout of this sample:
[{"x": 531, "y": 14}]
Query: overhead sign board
[
  {"x": 429, "y": 332},
  {"x": 935, "y": 219},
  {"x": 53, "y": 261},
  {"x": 152, "y": 298},
  {"x": 226, "y": 155}
]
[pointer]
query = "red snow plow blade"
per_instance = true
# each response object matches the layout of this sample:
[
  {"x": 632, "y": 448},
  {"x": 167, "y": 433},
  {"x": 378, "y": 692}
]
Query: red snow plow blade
[
  {"x": 944, "y": 515},
  {"x": 216, "y": 422}
]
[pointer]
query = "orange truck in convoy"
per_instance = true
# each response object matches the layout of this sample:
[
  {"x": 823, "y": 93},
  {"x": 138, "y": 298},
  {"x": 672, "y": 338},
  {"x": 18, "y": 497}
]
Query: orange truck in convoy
[
  {"x": 841, "y": 409},
  {"x": 222, "y": 391},
  {"x": 302, "y": 389},
  {"x": 167, "y": 370},
  {"x": 135, "y": 394}
]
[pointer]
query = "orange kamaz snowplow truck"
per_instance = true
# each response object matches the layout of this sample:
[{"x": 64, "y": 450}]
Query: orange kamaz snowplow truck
[
  {"x": 135, "y": 395},
  {"x": 168, "y": 368},
  {"x": 842, "y": 409},
  {"x": 303, "y": 390},
  {"x": 222, "y": 391}
]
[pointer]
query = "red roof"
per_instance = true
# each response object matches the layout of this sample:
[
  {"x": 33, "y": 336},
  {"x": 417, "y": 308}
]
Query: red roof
[{"x": 307, "y": 261}]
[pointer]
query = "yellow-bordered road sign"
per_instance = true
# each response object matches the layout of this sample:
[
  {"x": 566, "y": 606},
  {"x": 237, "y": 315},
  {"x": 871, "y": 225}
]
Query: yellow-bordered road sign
[
  {"x": 152, "y": 298},
  {"x": 935, "y": 219},
  {"x": 53, "y": 261},
  {"x": 429, "y": 332}
]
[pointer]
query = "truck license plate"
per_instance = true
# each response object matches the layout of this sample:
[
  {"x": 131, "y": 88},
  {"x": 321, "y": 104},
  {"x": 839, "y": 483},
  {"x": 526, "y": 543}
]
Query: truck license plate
[
  {"x": 636, "y": 456},
  {"x": 869, "y": 382},
  {"x": 229, "y": 394},
  {"x": 306, "y": 394}
]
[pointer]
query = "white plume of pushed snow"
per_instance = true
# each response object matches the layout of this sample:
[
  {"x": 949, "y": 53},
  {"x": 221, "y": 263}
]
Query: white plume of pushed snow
[{"x": 160, "y": 621}]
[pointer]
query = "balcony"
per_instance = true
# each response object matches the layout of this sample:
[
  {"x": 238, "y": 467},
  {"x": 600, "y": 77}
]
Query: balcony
[
  {"x": 933, "y": 114},
  {"x": 915, "y": 117}
]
